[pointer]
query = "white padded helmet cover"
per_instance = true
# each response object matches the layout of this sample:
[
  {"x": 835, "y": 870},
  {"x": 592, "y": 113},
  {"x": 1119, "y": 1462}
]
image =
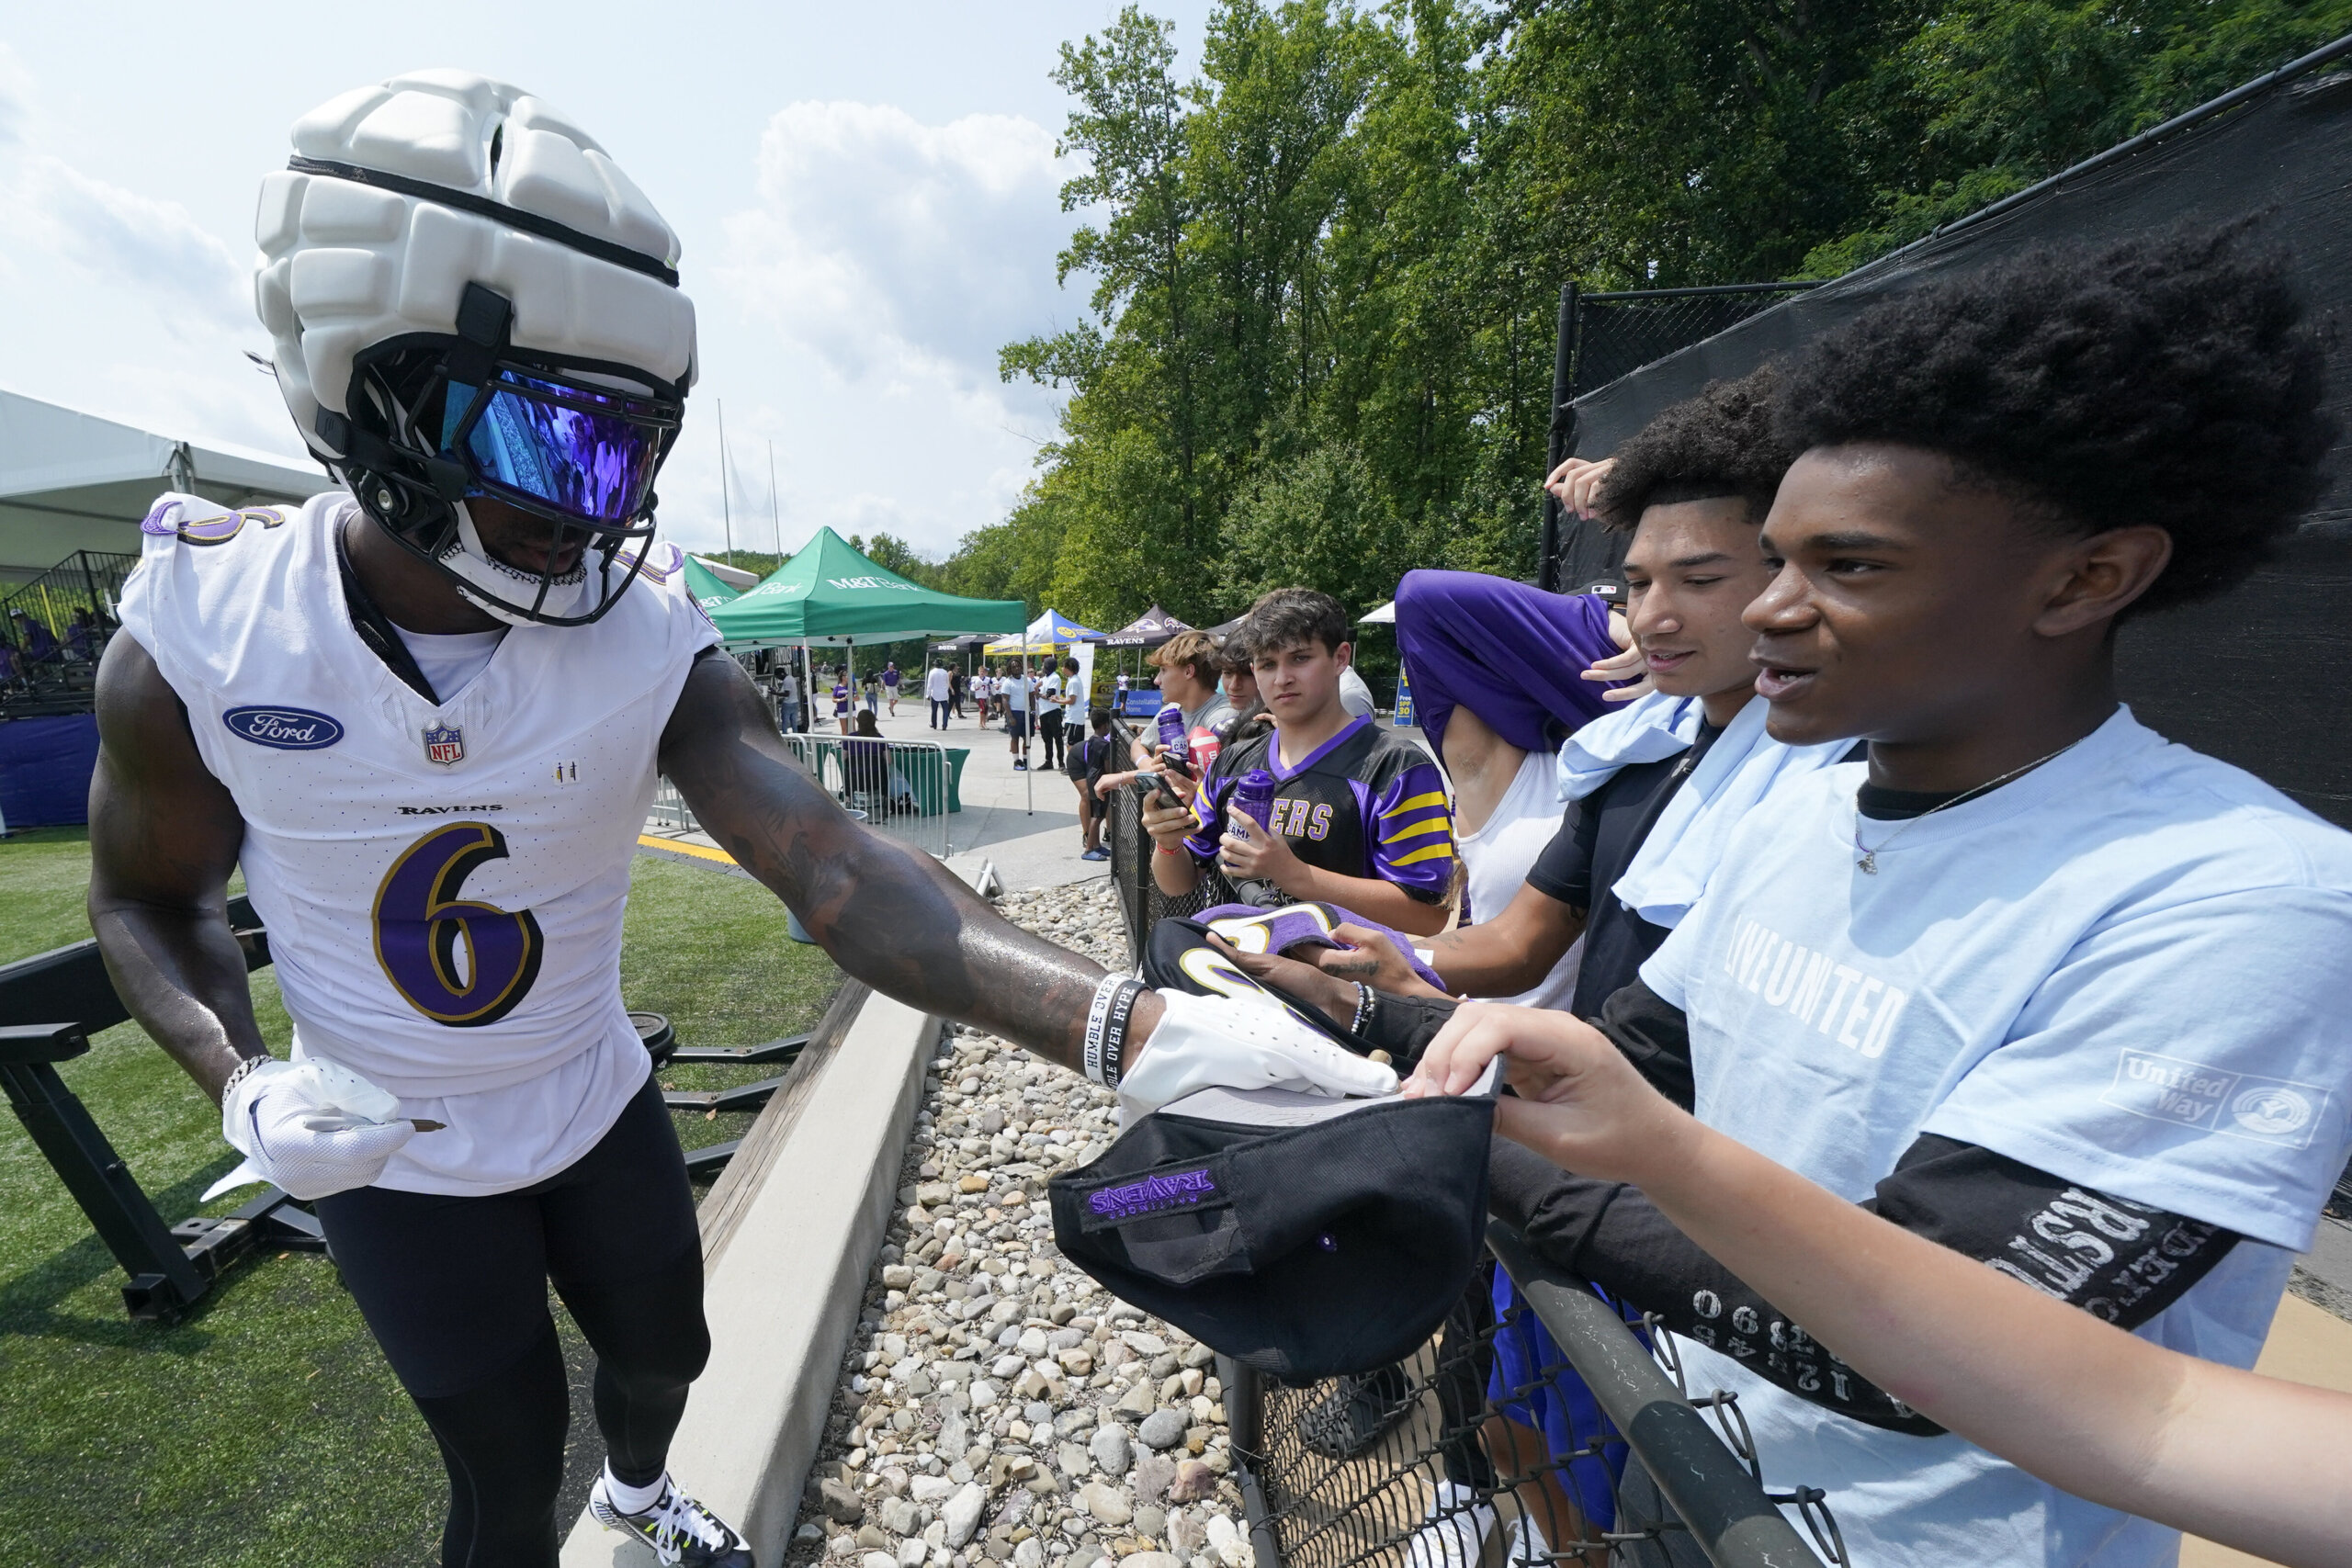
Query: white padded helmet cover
[{"x": 346, "y": 265}]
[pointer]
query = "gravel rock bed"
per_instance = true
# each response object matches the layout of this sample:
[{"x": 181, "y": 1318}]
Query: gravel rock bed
[{"x": 996, "y": 1406}]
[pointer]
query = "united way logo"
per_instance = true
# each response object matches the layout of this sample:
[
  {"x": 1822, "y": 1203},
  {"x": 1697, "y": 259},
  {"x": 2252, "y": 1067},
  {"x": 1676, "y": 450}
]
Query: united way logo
[
  {"x": 285, "y": 729},
  {"x": 2215, "y": 1100},
  {"x": 444, "y": 744}
]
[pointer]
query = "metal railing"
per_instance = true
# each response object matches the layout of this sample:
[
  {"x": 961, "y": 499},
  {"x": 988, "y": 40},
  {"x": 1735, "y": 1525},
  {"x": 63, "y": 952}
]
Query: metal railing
[
  {"x": 907, "y": 789},
  {"x": 54, "y": 627},
  {"x": 1554, "y": 1417},
  {"x": 904, "y": 788},
  {"x": 1544, "y": 1433}
]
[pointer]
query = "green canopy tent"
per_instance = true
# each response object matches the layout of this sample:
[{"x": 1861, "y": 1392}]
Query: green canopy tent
[
  {"x": 832, "y": 594},
  {"x": 704, "y": 584}
]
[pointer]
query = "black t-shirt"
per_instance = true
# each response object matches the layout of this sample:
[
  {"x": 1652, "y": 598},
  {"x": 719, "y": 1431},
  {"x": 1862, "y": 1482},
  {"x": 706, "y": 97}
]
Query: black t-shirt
[{"x": 1598, "y": 838}]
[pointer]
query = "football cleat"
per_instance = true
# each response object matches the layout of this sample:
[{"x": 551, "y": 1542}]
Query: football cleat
[{"x": 682, "y": 1532}]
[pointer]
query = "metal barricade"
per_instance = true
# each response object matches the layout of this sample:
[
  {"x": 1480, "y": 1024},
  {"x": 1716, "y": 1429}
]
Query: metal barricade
[
  {"x": 669, "y": 808},
  {"x": 908, "y": 789}
]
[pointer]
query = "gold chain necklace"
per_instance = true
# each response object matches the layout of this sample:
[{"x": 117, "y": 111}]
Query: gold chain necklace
[{"x": 1868, "y": 864}]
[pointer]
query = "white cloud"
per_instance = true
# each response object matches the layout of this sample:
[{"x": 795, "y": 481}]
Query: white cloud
[
  {"x": 858, "y": 306},
  {"x": 122, "y": 304},
  {"x": 128, "y": 241},
  {"x": 893, "y": 249}
]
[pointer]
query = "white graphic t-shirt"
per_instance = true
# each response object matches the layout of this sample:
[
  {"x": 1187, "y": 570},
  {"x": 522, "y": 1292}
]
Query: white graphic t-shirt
[{"x": 2127, "y": 969}]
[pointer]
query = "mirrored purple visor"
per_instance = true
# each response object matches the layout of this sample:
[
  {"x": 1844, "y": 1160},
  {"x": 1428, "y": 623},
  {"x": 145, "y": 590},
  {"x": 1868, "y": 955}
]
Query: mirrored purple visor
[{"x": 586, "y": 453}]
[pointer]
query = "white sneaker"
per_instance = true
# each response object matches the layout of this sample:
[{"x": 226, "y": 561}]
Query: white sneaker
[
  {"x": 682, "y": 1532},
  {"x": 1525, "y": 1546},
  {"x": 1454, "y": 1531}
]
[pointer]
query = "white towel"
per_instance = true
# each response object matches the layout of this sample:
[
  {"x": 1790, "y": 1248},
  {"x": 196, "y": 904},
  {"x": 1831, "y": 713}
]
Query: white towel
[
  {"x": 1647, "y": 730},
  {"x": 1672, "y": 867}
]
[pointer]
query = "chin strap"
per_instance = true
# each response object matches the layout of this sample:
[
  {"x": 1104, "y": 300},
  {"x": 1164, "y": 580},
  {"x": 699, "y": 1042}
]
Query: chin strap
[{"x": 484, "y": 581}]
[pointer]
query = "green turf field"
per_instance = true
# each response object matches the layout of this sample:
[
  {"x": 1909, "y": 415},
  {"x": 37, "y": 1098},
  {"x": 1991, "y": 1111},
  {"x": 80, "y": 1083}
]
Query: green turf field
[{"x": 266, "y": 1429}]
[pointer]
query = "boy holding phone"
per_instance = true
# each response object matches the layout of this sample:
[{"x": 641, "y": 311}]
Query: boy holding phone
[{"x": 1359, "y": 817}]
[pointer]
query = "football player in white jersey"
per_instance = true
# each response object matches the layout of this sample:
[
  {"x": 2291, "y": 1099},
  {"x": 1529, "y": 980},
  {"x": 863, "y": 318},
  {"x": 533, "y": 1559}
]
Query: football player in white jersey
[{"x": 426, "y": 717}]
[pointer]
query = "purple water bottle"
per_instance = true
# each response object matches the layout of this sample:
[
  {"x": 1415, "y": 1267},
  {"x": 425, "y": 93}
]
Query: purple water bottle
[
  {"x": 1253, "y": 796},
  {"x": 1171, "y": 736}
]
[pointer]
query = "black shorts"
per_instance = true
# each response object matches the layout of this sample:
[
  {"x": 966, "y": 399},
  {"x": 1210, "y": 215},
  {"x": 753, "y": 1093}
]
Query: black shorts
[{"x": 1016, "y": 724}]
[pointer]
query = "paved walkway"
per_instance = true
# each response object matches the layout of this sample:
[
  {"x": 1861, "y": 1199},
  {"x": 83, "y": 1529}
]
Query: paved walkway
[{"x": 1026, "y": 823}]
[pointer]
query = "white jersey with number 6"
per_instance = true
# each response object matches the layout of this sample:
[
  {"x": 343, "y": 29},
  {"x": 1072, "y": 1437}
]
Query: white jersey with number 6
[{"x": 443, "y": 881}]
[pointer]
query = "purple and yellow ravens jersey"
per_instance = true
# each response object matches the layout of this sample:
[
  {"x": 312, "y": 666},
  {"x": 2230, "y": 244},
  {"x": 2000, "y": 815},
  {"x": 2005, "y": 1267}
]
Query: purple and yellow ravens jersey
[{"x": 1366, "y": 803}]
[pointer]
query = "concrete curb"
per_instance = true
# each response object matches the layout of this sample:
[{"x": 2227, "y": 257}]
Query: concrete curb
[{"x": 783, "y": 1296}]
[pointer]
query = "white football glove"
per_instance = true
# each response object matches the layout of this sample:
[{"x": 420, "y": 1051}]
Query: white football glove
[
  {"x": 312, "y": 1127},
  {"x": 1221, "y": 1042}
]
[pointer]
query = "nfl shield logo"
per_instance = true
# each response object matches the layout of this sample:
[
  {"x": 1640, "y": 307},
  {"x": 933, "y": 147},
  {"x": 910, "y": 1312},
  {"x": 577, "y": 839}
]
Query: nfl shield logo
[{"x": 444, "y": 744}]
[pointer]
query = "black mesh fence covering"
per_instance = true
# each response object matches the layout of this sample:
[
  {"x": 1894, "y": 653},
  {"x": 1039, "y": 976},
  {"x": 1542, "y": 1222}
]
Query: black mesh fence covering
[
  {"x": 1617, "y": 333},
  {"x": 2259, "y": 677}
]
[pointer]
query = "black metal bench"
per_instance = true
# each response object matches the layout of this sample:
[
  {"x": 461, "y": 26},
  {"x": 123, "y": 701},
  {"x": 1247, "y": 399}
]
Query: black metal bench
[{"x": 170, "y": 1267}]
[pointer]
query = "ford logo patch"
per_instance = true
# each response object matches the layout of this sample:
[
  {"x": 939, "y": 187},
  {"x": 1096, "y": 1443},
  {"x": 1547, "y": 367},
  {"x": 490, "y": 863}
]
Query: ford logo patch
[{"x": 287, "y": 729}]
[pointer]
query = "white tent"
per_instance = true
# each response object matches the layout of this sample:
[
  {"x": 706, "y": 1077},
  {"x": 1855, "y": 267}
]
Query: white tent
[
  {"x": 1384, "y": 617},
  {"x": 735, "y": 577},
  {"x": 72, "y": 482}
]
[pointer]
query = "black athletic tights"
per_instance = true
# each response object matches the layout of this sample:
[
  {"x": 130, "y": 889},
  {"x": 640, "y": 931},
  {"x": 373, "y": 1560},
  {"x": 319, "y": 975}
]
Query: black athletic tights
[{"x": 456, "y": 1292}]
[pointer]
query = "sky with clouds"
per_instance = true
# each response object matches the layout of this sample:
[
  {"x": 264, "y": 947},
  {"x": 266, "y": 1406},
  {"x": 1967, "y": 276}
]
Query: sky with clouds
[{"x": 867, "y": 197}]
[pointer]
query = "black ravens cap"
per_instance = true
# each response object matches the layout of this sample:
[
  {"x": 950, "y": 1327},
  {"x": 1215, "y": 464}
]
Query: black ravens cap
[{"x": 1302, "y": 1235}]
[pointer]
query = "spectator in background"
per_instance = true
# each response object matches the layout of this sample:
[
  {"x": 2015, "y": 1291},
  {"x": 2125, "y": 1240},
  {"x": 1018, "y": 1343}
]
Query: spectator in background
[
  {"x": 1049, "y": 705},
  {"x": 865, "y": 764},
  {"x": 1088, "y": 757},
  {"x": 1355, "y": 696},
  {"x": 787, "y": 700},
  {"x": 956, "y": 682},
  {"x": 890, "y": 686},
  {"x": 81, "y": 635},
  {"x": 840, "y": 697},
  {"x": 939, "y": 688},
  {"x": 38, "y": 646},
  {"x": 1015, "y": 688},
  {"x": 1358, "y": 818},
  {"x": 870, "y": 689},
  {"x": 1188, "y": 678}
]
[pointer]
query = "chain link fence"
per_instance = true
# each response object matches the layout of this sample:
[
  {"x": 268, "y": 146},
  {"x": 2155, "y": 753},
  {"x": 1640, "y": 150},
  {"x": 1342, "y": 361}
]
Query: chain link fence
[
  {"x": 1141, "y": 903},
  {"x": 1540, "y": 1425},
  {"x": 1615, "y": 334}
]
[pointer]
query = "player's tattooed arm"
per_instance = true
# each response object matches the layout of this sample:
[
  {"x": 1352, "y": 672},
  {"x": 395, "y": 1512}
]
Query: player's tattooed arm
[
  {"x": 888, "y": 915},
  {"x": 163, "y": 837}
]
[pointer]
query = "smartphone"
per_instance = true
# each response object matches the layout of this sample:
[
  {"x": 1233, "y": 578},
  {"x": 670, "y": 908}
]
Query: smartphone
[{"x": 1172, "y": 761}]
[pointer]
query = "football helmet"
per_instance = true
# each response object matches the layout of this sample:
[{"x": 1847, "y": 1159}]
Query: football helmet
[{"x": 467, "y": 297}]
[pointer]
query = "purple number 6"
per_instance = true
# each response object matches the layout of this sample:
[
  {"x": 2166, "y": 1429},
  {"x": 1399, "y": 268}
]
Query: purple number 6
[{"x": 419, "y": 921}]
